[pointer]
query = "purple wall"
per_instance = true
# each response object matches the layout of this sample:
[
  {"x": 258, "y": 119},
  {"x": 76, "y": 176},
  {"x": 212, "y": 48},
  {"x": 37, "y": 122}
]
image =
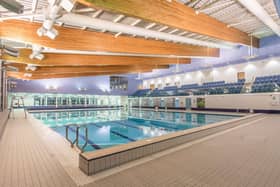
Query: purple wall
[
  {"x": 269, "y": 47},
  {"x": 99, "y": 85}
]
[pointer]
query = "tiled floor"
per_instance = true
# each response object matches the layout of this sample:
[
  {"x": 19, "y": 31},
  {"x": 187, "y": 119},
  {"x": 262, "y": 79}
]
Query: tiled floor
[
  {"x": 247, "y": 156},
  {"x": 25, "y": 161}
]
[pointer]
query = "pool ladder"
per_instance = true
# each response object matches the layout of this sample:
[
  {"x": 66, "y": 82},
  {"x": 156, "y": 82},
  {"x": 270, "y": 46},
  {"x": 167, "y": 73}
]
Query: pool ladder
[{"x": 77, "y": 135}]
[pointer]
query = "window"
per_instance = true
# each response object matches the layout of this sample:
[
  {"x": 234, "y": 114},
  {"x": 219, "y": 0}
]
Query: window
[
  {"x": 118, "y": 83},
  {"x": 51, "y": 101}
]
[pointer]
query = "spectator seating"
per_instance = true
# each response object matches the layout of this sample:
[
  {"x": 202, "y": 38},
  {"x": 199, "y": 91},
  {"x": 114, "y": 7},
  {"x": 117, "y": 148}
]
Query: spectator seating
[
  {"x": 266, "y": 84},
  {"x": 219, "y": 87}
]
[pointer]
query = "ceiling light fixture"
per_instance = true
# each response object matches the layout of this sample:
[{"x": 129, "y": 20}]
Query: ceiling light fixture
[
  {"x": 27, "y": 75},
  {"x": 30, "y": 67},
  {"x": 36, "y": 52},
  {"x": 52, "y": 13}
]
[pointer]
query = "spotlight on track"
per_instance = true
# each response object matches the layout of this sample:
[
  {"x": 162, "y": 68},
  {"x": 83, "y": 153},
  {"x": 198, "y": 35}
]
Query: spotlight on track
[
  {"x": 36, "y": 52},
  {"x": 30, "y": 67},
  {"x": 52, "y": 33},
  {"x": 12, "y": 5},
  {"x": 68, "y": 5},
  {"x": 53, "y": 12},
  {"x": 27, "y": 75}
]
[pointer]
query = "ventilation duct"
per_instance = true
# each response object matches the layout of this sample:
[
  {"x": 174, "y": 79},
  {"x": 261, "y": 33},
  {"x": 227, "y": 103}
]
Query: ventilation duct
[
  {"x": 12, "y": 5},
  {"x": 277, "y": 5},
  {"x": 9, "y": 51},
  {"x": 98, "y": 24},
  {"x": 256, "y": 9}
]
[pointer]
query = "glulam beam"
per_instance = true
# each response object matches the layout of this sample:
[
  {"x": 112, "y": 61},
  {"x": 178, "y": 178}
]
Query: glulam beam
[
  {"x": 82, "y": 40},
  {"x": 57, "y": 59},
  {"x": 175, "y": 14},
  {"x": 37, "y": 76},
  {"x": 86, "y": 69}
]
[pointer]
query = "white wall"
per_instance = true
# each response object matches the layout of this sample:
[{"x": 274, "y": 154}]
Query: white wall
[
  {"x": 256, "y": 101},
  {"x": 262, "y": 101},
  {"x": 227, "y": 74}
]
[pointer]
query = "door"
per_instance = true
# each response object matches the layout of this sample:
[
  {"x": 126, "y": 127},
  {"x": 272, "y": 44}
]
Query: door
[
  {"x": 177, "y": 103},
  {"x": 162, "y": 103},
  {"x": 240, "y": 75},
  {"x": 188, "y": 103}
]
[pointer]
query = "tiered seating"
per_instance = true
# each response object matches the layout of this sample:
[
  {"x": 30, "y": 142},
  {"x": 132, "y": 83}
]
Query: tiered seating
[
  {"x": 219, "y": 87},
  {"x": 261, "y": 84},
  {"x": 170, "y": 88},
  {"x": 266, "y": 84},
  {"x": 141, "y": 93},
  {"x": 189, "y": 86}
]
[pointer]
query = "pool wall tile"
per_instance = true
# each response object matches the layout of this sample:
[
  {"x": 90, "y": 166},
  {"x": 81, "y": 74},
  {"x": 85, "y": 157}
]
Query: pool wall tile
[
  {"x": 107, "y": 162},
  {"x": 102, "y": 164}
]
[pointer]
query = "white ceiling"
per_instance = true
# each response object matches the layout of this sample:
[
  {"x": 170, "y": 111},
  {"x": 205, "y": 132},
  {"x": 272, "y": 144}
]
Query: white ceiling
[{"x": 227, "y": 11}]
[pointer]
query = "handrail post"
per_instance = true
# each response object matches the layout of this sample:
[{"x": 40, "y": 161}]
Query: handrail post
[
  {"x": 77, "y": 136},
  {"x": 67, "y": 136},
  {"x": 86, "y": 139}
]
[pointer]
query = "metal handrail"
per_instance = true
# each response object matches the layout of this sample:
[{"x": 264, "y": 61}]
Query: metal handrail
[
  {"x": 67, "y": 134},
  {"x": 86, "y": 139},
  {"x": 76, "y": 140}
]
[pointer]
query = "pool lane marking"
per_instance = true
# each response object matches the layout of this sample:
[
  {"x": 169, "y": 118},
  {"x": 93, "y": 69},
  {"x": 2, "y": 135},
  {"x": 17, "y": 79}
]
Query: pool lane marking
[
  {"x": 116, "y": 133},
  {"x": 166, "y": 127},
  {"x": 127, "y": 125},
  {"x": 136, "y": 127},
  {"x": 92, "y": 144}
]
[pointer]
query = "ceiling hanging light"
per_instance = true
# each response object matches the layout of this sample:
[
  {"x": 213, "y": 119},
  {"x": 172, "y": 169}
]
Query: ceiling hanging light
[
  {"x": 30, "y": 67},
  {"x": 36, "y": 52},
  {"x": 27, "y": 75},
  {"x": 52, "y": 13}
]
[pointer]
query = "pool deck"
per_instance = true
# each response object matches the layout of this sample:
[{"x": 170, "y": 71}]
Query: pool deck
[{"x": 246, "y": 155}]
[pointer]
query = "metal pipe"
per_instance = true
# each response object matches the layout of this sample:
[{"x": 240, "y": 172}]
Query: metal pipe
[{"x": 85, "y": 21}]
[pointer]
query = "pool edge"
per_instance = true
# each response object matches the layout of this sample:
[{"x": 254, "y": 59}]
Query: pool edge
[{"x": 93, "y": 162}]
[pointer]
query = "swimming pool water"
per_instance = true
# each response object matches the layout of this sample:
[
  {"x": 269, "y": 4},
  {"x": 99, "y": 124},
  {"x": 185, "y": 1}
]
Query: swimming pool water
[{"x": 107, "y": 128}]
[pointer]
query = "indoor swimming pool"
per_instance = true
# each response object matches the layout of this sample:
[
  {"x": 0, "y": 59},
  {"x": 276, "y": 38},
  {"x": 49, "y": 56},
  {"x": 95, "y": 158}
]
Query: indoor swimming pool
[{"x": 107, "y": 128}]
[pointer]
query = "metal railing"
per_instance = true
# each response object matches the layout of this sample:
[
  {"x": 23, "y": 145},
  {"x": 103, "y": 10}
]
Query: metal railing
[{"x": 76, "y": 140}]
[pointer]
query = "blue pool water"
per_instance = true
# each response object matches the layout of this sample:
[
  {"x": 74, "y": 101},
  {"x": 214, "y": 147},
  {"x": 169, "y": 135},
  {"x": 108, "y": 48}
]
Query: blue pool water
[{"x": 107, "y": 128}]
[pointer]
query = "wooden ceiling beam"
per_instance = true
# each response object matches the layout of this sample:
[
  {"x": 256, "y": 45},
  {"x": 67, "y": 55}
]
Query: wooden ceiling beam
[
  {"x": 55, "y": 59},
  {"x": 36, "y": 76},
  {"x": 175, "y": 14},
  {"x": 78, "y": 39},
  {"x": 86, "y": 69}
]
